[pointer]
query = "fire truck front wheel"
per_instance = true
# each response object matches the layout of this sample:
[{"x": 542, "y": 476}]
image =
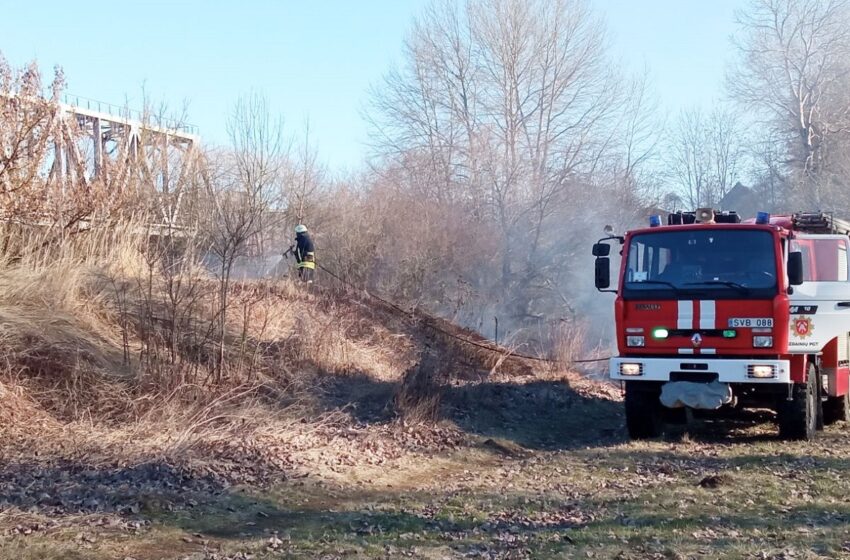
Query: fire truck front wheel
[
  {"x": 643, "y": 410},
  {"x": 798, "y": 416}
]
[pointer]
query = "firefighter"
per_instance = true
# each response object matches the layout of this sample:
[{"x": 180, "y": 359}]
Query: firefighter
[
  {"x": 304, "y": 254},
  {"x": 675, "y": 271},
  {"x": 684, "y": 268}
]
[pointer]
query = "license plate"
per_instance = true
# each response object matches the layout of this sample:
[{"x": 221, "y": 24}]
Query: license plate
[{"x": 753, "y": 322}]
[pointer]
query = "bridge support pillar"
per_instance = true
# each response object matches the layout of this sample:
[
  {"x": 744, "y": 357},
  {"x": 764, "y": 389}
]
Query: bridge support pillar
[{"x": 97, "y": 140}]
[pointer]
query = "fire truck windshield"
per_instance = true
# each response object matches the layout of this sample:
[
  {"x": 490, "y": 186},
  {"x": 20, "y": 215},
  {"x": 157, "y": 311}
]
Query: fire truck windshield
[{"x": 715, "y": 263}]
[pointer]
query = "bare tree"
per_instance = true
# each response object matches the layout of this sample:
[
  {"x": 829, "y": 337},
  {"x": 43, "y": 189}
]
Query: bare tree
[
  {"x": 26, "y": 125},
  {"x": 770, "y": 180},
  {"x": 639, "y": 130},
  {"x": 793, "y": 72},
  {"x": 689, "y": 158},
  {"x": 425, "y": 115},
  {"x": 306, "y": 178},
  {"x": 705, "y": 155},
  {"x": 726, "y": 149},
  {"x": 240, "y": 189},
  {"x": 31, "y": 131},
  {"x": 503, "y": 110}
]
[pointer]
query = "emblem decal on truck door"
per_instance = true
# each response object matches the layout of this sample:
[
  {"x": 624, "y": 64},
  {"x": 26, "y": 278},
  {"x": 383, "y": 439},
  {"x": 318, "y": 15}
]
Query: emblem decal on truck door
[{"x": 802, "y": 327}]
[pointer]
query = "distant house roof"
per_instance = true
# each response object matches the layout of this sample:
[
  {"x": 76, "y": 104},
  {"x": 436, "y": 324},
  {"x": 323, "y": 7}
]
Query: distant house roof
[{"x": 742, "y": 200}]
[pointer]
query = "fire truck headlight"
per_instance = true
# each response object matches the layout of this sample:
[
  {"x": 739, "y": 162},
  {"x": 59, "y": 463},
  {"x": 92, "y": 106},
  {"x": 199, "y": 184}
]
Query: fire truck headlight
[
  {"x": 761, "y": 372},
  {"x": 762, "y": 342},
  {"x": 631, "y": 369},
  {"x": 635, "y": 341}
]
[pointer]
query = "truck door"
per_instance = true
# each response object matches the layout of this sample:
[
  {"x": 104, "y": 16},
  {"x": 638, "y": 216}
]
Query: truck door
[{"x": 820, "y": 307}]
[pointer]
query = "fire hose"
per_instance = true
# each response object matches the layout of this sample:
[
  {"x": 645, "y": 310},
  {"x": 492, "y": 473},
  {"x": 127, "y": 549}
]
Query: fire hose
[{"x": 464, "y": 340}]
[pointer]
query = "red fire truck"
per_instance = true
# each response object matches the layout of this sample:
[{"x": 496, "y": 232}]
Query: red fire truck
[{"x": 713, "y": 312}]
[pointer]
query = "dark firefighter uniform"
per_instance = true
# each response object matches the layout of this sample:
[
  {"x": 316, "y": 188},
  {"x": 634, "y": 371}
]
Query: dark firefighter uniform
[{"x": 305, "y": 256}]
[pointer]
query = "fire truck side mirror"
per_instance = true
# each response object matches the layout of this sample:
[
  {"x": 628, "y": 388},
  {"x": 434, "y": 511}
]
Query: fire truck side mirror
[
  {"x": 601, "y": 249},
  {"x": 795, "y": 268},
  {"x": 603, "y": 273}
]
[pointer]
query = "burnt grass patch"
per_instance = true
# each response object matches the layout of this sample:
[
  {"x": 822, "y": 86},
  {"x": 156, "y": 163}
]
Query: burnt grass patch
[{"x": 61, "y": 487}]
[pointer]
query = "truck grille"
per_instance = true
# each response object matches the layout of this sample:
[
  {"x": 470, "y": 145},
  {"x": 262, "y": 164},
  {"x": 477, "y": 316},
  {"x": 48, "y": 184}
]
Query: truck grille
[
  {"x": 690, "y": 332},
  {"x": 694, "y": 366},
  {"x": 694, "y": 376}
]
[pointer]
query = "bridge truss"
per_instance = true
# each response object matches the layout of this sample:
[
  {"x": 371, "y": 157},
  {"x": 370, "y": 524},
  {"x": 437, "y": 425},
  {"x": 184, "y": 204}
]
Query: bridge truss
[
  {"x": 83, "y": 145},
  {"x": 126, "y": 149}
]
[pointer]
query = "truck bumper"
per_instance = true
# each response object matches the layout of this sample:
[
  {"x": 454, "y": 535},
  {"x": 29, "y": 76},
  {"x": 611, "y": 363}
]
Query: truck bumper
[{"x": 690, "y": 369}]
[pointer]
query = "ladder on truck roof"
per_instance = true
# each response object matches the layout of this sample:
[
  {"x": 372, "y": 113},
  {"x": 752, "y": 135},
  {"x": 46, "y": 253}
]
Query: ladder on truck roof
[{"x": 819, "y": 222}]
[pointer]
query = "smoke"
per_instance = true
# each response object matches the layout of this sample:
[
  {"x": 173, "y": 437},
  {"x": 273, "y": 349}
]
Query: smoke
[{"x": 267, "y": 266}]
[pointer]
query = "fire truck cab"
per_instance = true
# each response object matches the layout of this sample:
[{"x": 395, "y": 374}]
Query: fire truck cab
[{"x": 713, "y": 312}]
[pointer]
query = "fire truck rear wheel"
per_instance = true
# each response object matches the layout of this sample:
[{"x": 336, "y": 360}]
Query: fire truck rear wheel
[
  {"x": 798, "y": 417},
  {"x": 837, "y": 409},
  {"x": 643, "y": 411}
]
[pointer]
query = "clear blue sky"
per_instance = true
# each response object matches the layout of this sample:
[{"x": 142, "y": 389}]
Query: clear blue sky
[{"x": 313, "y": 58}]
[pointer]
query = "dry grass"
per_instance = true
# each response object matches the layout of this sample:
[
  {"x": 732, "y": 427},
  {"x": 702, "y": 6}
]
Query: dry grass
[
  {"x": 84, "y": 332},
  {"x": 571, "y": 341},
  {"x": 100, "y": 373},
  {"x": 92, "y": 345},
  {"x": 420, "y": 393}
]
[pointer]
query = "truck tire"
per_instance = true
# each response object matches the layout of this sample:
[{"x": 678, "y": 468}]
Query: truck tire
[
  {"x": 643, "y": 411},
  {"x": 819, "y": 401},
  {"x": 798, "y": 417},
  {"x": 837, "y": 409}
]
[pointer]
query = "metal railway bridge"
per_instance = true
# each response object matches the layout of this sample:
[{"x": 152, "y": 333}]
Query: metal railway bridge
[
  {"x": 74, "y": 143},
  {"x": 109, "y": 128},
  {"x": 95, "y": 140}
]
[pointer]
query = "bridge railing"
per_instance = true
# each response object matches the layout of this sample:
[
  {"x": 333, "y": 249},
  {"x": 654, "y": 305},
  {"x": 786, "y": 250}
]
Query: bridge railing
[{"x": 123, "y": 112}]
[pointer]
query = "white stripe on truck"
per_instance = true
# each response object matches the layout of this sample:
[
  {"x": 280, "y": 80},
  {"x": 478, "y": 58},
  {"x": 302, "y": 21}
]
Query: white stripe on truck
[
  {"x": 707, "y": 314},
  {"x": 686, "y": 315}
]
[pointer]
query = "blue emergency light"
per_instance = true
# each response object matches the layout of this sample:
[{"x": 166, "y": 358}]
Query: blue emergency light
[
  {"x": 763, "y": 218},
  {"x": 654, "y": 221}
]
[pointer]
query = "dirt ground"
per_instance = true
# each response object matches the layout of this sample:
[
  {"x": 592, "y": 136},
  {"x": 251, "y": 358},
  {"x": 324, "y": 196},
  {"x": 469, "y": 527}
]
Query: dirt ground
[{"x": 534, "y": 469}]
